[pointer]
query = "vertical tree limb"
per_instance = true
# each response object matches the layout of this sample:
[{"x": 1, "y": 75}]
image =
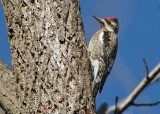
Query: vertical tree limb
[{"x": 49, "y": 56}]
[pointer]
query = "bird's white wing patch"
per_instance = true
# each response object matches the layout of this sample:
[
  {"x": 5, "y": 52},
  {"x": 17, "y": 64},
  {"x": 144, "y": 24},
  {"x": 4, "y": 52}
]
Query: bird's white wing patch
[{"x": 101, "y": 36}]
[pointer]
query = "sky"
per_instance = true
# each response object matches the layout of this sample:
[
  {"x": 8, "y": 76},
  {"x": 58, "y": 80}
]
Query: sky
[{"x": 138, "y": 38}]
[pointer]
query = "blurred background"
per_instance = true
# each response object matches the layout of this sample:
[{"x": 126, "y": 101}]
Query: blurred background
[{"x": 139, "y": 37}]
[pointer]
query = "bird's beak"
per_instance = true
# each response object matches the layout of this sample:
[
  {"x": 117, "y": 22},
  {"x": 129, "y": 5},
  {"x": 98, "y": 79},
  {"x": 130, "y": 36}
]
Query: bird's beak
[{"x": 98, "y": 19}]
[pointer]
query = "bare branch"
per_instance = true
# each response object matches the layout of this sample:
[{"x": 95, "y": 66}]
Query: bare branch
[
  {"x": 147, "y": 104},
  {"x": 7, "y": 100},
  {"x": 157, "y": 78},
  {"x": 7, "y": 90},
  {"x": 142, "y": 85}
]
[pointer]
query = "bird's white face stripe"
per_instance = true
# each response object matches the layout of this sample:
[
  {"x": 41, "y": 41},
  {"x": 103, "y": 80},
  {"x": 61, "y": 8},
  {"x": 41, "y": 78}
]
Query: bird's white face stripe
[
  {"x": 113, "y": 23},
  {"x": 100, "y": 37},
  {"x": 107, "y": 26}
]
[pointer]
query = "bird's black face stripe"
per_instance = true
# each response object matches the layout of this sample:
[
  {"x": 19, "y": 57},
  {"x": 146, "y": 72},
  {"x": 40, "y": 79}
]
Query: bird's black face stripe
[{"x": 109, "y": 22}]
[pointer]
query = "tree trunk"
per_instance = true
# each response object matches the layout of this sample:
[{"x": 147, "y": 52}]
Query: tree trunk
[{"x": 51, "y": 69}]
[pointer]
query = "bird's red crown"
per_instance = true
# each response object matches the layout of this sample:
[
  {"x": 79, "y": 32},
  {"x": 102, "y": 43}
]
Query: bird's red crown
[{"x": 111, "y": 18}]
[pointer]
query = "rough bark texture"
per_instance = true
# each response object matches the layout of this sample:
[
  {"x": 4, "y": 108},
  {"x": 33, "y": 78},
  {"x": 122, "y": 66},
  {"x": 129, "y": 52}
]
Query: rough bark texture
[
  {"x": 49, "y": 57},
  {"x": 7, "y": 90}
]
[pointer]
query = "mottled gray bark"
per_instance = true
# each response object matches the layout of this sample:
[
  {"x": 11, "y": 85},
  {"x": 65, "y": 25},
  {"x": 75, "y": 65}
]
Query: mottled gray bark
[
  {"x": 7, "y": 90},
  {"x": 51, "y": 70}
]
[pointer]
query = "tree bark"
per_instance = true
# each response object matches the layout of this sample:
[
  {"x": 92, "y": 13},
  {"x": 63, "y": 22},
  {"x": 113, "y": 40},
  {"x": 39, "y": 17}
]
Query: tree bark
[{"x": 51, "y": 69}]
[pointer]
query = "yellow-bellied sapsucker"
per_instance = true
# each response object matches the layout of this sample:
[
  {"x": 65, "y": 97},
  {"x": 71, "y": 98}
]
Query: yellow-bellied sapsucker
[{"x": 102, "y": 51}]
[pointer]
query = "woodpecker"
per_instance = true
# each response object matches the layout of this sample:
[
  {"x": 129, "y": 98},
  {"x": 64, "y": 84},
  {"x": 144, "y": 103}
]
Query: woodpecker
[{"x": 102, "y": 51}]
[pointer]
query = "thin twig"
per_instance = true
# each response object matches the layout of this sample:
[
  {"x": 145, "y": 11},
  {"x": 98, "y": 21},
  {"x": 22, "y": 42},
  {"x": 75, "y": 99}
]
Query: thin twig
[
  {"x": 102, "y": 109},
  {"x": 116, "y": 105},
  {"x": 147, "y": 104},
  {"x": 146, "y": 66}
]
